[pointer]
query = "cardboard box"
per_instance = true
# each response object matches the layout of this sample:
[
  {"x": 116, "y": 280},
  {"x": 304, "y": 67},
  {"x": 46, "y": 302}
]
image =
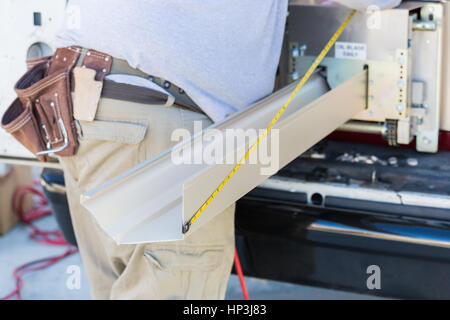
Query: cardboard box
[{"x": 10, "y": 178}]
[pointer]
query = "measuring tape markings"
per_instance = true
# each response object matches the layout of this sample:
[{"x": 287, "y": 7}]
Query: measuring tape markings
[{"x": 275, "y": 119}]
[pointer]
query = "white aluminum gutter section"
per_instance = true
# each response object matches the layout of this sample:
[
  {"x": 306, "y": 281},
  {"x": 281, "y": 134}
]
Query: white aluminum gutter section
[{"x": 150, "y": 202}]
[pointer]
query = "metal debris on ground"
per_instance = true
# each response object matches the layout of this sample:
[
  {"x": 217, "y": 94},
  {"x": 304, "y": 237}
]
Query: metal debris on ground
[
  {"x": 413, "y": 162},
  {"x": 361, "y": 158}
]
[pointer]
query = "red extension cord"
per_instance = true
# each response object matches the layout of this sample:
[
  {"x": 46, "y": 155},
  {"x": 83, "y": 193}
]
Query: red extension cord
[
  {"x": 237, "y": 265},
  {"x": 53, "y": 237}
]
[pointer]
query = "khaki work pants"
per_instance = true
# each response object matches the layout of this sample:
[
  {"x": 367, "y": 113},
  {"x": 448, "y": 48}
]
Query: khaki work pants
[{"x": 122, "y": 135}]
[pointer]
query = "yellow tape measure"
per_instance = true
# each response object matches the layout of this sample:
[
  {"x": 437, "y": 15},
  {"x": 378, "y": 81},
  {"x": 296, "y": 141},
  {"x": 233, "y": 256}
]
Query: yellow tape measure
[{"x": 305, "y": 78}]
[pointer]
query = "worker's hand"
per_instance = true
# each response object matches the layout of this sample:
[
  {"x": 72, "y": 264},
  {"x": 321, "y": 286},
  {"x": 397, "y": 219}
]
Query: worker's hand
[{"x": 364, "y": 5}]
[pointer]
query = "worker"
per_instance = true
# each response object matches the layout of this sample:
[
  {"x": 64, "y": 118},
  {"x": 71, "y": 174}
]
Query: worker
[{"x": 214, "y": 58}]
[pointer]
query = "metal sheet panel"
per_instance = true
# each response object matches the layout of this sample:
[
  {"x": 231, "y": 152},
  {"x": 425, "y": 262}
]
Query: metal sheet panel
[
  {"x": 426, "y": 67},
  {"x": 296, "y": 134},
  {"x": 382, "y": 38},
  {"x": 132, "y": 212},
  {"x": 385, "y": 49}
]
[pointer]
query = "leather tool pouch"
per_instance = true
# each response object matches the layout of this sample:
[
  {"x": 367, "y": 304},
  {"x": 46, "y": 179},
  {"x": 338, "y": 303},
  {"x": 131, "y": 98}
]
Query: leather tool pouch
[{"x": 41, "y": 118}]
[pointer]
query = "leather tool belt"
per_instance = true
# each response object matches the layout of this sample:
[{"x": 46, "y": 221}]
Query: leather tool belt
[{"x": 41, "y": 118}]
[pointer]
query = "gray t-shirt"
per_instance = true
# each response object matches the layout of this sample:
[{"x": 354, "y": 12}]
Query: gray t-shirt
[{"x": 223, "y": 53}]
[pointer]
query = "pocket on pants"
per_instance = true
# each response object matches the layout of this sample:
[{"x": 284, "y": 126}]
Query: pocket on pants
[
  {"x": 114, "y": 131},
  {"x": 205, "y": 258},
  {"x": 187, "y": 272},
  {"x": 107, "y": 149}
]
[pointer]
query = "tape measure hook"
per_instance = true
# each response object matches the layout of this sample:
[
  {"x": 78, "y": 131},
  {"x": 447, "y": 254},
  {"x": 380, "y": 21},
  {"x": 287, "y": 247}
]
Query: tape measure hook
[{"x": 186, "y": 227}]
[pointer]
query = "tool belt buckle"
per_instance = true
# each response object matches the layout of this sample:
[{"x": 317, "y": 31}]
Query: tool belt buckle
[{"x": 57, "y": 149}]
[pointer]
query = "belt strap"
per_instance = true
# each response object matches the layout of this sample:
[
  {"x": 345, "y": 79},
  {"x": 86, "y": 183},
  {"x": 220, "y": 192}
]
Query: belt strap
[{"x": 121, "y": 66}]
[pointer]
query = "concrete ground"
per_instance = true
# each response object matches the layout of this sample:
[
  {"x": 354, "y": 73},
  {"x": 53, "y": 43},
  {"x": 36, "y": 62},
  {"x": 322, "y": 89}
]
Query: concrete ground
[{"x": 16, "y": 248}]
